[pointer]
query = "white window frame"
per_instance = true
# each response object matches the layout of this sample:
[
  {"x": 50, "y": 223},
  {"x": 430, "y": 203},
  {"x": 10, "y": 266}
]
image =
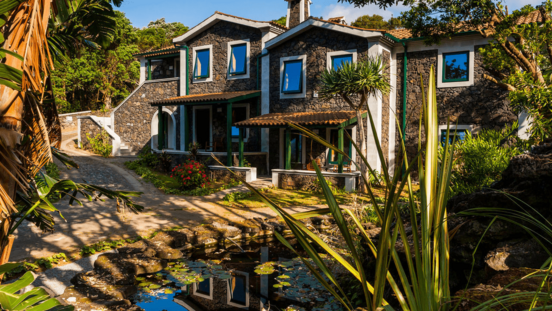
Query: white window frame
[
  {"x": 228, "y": 290},
  {"x": 455, "y": 49},
  {"x": 303, "y": 94},
  {"x": 210, "y": 296},
  {"x": 247, "y": 116},
  {"x": 442, "y": 128},
  {"x": 340, "y": 53},
  {"x": 194, "y": 136},
  {"x": 200, "y": 48},
  {"x": 247, "y": 62}
]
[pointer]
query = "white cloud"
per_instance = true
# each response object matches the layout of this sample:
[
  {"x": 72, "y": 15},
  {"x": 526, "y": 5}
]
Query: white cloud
[{"x": 351, "y": 13}]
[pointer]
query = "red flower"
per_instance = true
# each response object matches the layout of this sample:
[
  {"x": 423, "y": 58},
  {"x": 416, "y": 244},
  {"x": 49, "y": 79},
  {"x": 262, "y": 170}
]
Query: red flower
[
  {"x": 189, "y": 172},
  {"x": 203, "y": 175},
  {"x": 188, "y": 177}
]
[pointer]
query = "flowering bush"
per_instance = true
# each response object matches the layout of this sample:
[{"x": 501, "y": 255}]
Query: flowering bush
[{"x": 191, "y": 175}]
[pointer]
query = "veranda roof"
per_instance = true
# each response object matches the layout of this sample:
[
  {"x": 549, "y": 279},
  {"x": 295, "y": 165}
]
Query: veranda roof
[
  {"x": 221, "y": 97},
  {"x": 319, "y": 118},
  {"x": 159, "y": 52}
]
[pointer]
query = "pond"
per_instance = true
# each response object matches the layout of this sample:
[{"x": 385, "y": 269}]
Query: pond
[{"x": 229, "y": 279}]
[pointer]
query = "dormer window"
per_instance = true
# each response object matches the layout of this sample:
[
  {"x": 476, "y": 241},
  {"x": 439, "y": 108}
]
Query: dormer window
[
  {"x": 238, "y": 59},
  {"x": 203, "y": 64},
  {"x": 292, "y": 76},
  {"x": 339, "y": 61}
]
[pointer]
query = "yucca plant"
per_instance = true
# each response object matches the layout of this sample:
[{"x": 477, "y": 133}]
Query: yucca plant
[{"x": 420, "y": 283}]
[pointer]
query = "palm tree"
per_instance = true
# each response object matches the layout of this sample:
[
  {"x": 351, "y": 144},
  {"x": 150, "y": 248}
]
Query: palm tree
[
  {"x": 37, "y": 34},
  {"x": 355, "y": 83}
]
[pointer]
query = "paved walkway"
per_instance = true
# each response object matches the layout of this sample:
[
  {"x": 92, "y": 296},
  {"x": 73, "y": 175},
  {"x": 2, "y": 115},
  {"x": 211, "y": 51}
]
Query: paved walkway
[{"x": 98, "y": 221}]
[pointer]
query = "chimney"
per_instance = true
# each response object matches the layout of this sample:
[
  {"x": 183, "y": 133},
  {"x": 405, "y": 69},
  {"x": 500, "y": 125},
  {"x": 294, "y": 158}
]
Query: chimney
[{"x": 298, "y": 12}]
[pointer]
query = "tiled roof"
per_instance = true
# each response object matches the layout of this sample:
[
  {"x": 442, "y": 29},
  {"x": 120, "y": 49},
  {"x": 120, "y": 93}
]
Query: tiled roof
[
  {"x": 246, "y": 19},
  {"x": 160, "y": 52},
  {"x": 353, "y": 27},
  {"x": 532, "y": 17},
  {"x": 301, "y": 118},
  {"x": 198, "y": 98}
]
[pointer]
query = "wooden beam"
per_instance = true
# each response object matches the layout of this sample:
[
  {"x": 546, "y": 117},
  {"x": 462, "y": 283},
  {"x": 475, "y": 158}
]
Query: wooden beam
[{"x": 241, "y": 147}]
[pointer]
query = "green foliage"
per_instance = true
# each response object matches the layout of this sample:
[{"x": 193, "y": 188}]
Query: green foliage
[
  {"x": 101, "y": 144},
  {"x": 147, "y": 157},
  {"x": 383, "y": 4},
  {"x": 236, "y": 196},
  {"x": 37, "y": 299},
  {"x": 480, "y": 160},
  {"x": 191, "y": 175},
  {"x": 165, "y": 162},
  {"x": 159, "y": 34},
  {"x": 376, "y": 22},
  {"x": 106, "y": 245},
  {"x": 281, "y": 21},
  {"x": 52, "y": 170},
  {"x": 48, "y": 262}
]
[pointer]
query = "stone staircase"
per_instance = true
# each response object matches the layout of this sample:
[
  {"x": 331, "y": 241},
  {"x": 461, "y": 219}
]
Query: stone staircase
[{"x": 126, "y": 150}]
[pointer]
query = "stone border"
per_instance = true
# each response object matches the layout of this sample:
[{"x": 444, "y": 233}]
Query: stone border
[
  {"x": 250, "y": 172},
  {"x": 350, "y": 178}
]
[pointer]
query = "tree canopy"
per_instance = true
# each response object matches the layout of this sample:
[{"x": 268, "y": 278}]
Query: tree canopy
[
  {"x": 282, "y": 20},
  {"x": 376, "y": 22},
  {"x": 158, "y": 34}
]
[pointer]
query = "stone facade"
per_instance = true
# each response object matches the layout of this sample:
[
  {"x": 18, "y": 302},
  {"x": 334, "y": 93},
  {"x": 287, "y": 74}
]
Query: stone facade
[
  {"x": 89, "y": 129},
  {"x": 306, "y": 182},
  {"x": 133, "y": 119},
  {"x": 163, "y": 68},
  {"x": 315, "y": 44},
  {"x": 484, "y": 104},
  {"x": 295, "y": 12},
  {"x": 386, "y": 56},
  {"x": 219, "y": 35}
]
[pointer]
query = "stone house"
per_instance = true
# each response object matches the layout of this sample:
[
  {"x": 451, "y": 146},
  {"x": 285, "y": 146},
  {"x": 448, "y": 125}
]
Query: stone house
[{"x": 230, "y": 84}]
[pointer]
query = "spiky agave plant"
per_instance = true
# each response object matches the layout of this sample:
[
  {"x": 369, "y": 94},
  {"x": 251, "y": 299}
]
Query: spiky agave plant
[{"x": 420, "y": 284}]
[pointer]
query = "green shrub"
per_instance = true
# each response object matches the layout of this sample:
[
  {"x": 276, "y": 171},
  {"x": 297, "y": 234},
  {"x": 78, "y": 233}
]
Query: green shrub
[
  {"x": 101, "y": 144},
  {"x": 480, "y": 159},
  {"x": 147, "y": 157},
  {"x": 191, "y": 175},
  {"x": 236, "y": 196},
  {"x": 52, "y": 170}
]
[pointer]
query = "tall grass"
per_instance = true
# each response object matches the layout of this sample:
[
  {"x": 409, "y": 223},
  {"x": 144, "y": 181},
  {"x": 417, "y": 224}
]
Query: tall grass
[{"x": 421, "y": 281}]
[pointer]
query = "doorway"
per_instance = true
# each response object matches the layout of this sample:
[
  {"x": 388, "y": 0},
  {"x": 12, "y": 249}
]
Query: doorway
[{"x": 202, "y": 126}]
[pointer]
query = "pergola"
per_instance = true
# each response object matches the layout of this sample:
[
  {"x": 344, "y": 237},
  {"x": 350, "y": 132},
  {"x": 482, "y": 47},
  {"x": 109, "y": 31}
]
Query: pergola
[
  {"x": 310, "y": 120},
  {"x": 227, "y": 98}
]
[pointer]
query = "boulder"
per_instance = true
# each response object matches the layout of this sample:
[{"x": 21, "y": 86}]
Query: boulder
[
  {"x": 152, "y": 248},
  {"x": 174, "y": 239},
  {"x": 516, "y": 254},
  {"x": 120, "y": 264},
  {"x": 93, "y": 298}
]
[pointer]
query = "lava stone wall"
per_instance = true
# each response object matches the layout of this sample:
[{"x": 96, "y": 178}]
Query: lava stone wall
[
  {"x": 294, "y": 13},
  {"x": 316, "y": 44},
  {"x": 133, "y": 118},
  {"x": 219, "y": 35},
  {"x": 90, "y": 128},
  {"x": 162, "y": 69},
  {"x": 484, "y": 104}
]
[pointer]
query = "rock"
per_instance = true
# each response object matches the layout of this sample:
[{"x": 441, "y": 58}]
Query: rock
[
  {"x": 136, "y": 264},
  {"x": 249, "y": 226},
  {"x": 516, "y": 254},
  {"x": 104, "y": 277},
  {"x": 97, "y": 298},
  {"x": 152, "y": 248},
  {"x": 140, "y": 247},
  {"x": 226, "y": 230},
  {"x": 174, "y": 239}
]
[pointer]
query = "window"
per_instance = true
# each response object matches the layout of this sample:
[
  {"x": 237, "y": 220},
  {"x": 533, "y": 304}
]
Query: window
[
  {"x": 293, "y": 77},
  {"x": 296, "y": 142},
  {"x": 238, "y": 290},
  {"x": 347, "y": 146},
  {"x": 202, "y": 63},
  {"x": 458, "y": 135},
  {"x": 456, "y": 67},
  {"x": 238, "y": 60},
  {"x": 238, "y": 114},
  {"x": 204, "y": 289},
  {"x": 338, "y": 61}
]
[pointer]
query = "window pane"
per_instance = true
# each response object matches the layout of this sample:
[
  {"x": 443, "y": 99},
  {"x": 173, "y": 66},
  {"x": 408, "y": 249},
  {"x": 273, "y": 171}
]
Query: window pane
[
  {"x": 202, "y": 64},
  {"x": 456, "y": 66},
  {"x": 238, "y": 114},
  {"x": 204, "y": 287},
  {"x": 338, "y": 61},
  {"x": 293, "y": 77},
  {"x": 238, "y": 59},
  {"x": 346, "y": 145},
  {"x": 460, "y": 136},
  {"x": 237, "y": 286}
]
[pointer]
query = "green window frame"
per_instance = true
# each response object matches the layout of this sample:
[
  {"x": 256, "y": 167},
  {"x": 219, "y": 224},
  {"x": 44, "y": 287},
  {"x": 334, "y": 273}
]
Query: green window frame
[
  {"x": 350, "y": 153},
  {"x": 444, "y": 64},
  {"x": 300, "y": 90},
  {"x": 244, "y": 71},
  {"x": 196, "y": 76},
  {"x": 350, "y": 56}
]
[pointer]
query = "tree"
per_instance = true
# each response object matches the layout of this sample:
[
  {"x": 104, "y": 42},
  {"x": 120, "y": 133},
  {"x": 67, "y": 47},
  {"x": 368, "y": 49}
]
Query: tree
[
  {"x": 355, "y": 83},
  {"x": 376, "y": 22},
  {"x": 30, "y": 132},
  {"x": 159, "y": 34},
  {"x": 282, "y": 21},
  {"x": 98, "y": 77}
]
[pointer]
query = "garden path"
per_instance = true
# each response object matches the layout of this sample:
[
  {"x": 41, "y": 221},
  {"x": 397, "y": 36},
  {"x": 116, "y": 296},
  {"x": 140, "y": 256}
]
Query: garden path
[{"x": 98, "y": 221}]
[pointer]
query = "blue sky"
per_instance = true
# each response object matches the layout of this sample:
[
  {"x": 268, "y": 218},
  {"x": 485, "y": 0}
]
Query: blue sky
[{"x": 192, "y": 12}]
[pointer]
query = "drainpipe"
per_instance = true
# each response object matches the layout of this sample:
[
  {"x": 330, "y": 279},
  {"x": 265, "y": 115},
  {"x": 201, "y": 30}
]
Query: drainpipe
[{"x": 258, "y": 62}]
